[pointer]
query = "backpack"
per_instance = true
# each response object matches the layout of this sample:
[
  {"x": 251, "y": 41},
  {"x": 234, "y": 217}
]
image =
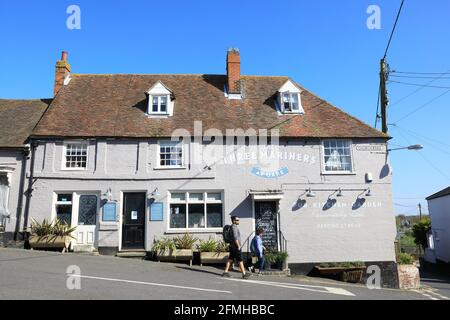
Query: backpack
[
  {"x": 228, "y": 234},
  {"x": 253, "y": 246}
]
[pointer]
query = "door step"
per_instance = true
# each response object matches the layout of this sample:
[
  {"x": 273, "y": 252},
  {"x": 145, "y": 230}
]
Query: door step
[{"x": 137, "y": 254}]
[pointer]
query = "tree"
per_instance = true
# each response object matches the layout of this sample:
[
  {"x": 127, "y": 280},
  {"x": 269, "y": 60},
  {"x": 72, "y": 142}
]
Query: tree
[{"x": 420, "y": 230}]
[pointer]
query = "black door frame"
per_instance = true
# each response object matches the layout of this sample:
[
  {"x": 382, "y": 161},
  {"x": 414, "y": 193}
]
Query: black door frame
[{"x": 122, "y": 209}]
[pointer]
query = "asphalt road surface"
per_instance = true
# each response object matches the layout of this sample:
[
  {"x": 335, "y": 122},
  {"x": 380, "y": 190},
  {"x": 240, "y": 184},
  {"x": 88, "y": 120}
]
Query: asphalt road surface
[{"x": 48, "y": 275}]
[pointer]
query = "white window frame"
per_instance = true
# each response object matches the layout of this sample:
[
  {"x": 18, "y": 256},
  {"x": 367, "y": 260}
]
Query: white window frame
[
  {"x": 8, "y": 176},
  {"x": 64, "y": 155},
  {"x": 159, "y": 96},
  {"x": 340, "y": 172},
  {"x": 56, "y": 203},
  {"x": 171, "y": 143},
  {"x": 186, "y": 202},
  {"x": 291, "y": 94}
]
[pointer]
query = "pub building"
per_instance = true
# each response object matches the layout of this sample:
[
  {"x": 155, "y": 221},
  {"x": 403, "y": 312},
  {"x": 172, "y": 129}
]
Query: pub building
[{"x": 105, "y": 160}]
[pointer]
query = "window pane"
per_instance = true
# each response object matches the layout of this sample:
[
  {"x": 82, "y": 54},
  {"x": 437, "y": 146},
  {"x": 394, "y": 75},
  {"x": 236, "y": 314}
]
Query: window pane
[
  {"x": 214, "y": 212},
  {"x": 294, "y": 98},
  {"x": 217, "y": 196},
  {"x": 65, "y": 197},
  {"x": 337, "y": 155},
  {"x": 64, "y": 213},
  {"x": 196, "y": 196},
  {"x": 196, "y": 215},
  {"x": 87, "y": 212},
  {"x": 178, "y": 196},
  {"x": 163, "y": 104},
  {"x": 178, "y": 216}
]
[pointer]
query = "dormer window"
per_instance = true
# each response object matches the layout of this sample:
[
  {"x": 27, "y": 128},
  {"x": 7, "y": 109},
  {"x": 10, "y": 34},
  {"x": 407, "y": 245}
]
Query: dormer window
[
  {"x": 289, "y": 99},
  {"x": 290, "y": 102},
  {"x": 159, "y": 104},
  {"x": 160, "y": 101}
]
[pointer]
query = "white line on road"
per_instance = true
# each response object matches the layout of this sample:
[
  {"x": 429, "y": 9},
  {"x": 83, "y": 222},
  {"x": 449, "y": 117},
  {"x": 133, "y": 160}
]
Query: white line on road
[
  {"x": 430, "y": 293},
  {"x": 152, "y": 284},
  {"x": 337, "y": 291}
]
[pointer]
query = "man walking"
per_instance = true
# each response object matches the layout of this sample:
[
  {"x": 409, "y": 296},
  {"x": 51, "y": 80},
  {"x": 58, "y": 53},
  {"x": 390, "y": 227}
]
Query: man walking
[{"x": 236, "y": 250}]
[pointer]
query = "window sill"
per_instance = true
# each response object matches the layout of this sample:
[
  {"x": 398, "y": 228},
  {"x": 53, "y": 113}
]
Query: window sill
[
  {"x": 170, "y": 168},
  {"x": 75, "y": 169},
  {"x": 338, "y": 173},
  {"x": 193, "y": 230}
]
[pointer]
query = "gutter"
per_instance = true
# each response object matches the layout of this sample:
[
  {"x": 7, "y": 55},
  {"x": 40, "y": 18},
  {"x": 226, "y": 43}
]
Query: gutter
[{"x": 28, "y": 193}]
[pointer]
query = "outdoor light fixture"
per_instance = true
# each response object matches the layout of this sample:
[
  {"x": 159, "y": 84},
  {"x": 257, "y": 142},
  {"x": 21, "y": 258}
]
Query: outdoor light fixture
[
  {"x": 339, "y": 193},
  {"x": 108, "y": 194},
  {"x": 310, "y": 193},
  {"x": 155, "y": 193},
  {"x": 368, "y": 193},
  {"x": 413, "y": 147}
]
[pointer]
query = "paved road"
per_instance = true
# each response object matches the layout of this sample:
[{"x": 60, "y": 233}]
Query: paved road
[{"x": 42, "y": 275}]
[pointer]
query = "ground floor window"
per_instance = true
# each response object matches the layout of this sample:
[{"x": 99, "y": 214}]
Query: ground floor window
[
  {"x": 4, "y": 193},
  {"x": 196, "y": 210},
  {"x": 64, "y": 208}
]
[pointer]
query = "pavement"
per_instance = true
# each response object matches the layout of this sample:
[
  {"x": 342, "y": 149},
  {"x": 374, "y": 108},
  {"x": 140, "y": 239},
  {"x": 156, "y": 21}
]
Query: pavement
[{"x": 26, "y": 274}]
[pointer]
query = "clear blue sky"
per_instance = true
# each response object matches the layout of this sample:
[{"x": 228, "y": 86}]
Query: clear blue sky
[{"x": 324, "y": 45}]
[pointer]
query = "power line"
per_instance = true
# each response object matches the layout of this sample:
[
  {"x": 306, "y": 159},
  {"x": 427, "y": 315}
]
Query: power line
[
  {"x": 393, "y": 29},
  {"x": 403, "y": 72},
  {"x": 377, "y": 116},
  {"x": 418, "y": 85},
  {"x": 417, "y": 77},
  {"x": 422, "y": 106}
]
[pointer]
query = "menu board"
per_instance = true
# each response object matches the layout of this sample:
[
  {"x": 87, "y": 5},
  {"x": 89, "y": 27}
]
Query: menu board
[{"x": 267, "y": 218}]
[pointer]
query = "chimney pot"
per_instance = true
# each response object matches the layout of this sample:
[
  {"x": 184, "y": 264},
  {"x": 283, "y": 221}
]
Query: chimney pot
[
  {"x": 62, "y": 72},
  {"x": 64, "y": 56}
]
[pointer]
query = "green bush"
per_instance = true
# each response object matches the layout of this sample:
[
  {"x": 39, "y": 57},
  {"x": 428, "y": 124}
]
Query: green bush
[
  {"x": 163, "y": 245},
  {"x": 222, "y": 246},
  {"x": 407, "y": 241},
  {"x": 54, "y": 228},
  {"x": 420, "y": 230},
  {"x": 209, "y": 245},
  {"x": 405, "y": 258},
  {"x": 185, "y": 241}
]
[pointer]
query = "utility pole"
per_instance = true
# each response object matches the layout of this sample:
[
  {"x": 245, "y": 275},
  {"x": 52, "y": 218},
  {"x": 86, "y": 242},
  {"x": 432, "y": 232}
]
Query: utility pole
[
  {"x": 384, "y": 101},
  {"x": 420, "y": 211}
]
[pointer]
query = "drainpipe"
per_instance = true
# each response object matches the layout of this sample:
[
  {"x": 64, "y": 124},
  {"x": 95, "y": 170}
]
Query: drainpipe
[
  {"x": 28, "y": 193},
  {"x": 25, "y": 154}
]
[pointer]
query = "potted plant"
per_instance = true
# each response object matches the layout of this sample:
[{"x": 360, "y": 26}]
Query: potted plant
[
  {"x": 212, "y": 251},
  {"x": 178, "y": 249},
  {"x": 50, "y": 235},
  {"x": 344, "y": 271},
  {"x": 276, "y": 259},
  {"x": 408, "y": 273}
]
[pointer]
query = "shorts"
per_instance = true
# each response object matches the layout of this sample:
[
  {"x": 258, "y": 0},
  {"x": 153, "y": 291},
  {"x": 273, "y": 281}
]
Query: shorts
[{"x": 235, "y": 254}]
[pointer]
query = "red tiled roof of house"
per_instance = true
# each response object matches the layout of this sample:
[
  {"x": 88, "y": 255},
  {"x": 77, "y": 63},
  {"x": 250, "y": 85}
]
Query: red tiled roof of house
[
  {"x": 18, "y": 119},
  {"x": 115, "y": 106}
]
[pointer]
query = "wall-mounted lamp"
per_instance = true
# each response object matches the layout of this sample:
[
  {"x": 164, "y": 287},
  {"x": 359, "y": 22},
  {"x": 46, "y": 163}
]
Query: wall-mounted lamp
[
  {"x": 108, "y": 194},
  {"x": 339, "y": 193},
  {"x": 310, "y": 193},
  {"x": 368, "y": 193},
  {"x": 155, "y": 193}
]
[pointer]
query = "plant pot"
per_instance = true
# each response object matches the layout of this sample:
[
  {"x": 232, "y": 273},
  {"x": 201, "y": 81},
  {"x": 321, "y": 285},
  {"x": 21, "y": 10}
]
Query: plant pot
[
  {"x": 176, "y": 255},
  {"x": 50, "y": 242},
  {"x": 213, "y": 257},
  {"x": 352, "y": 274}
]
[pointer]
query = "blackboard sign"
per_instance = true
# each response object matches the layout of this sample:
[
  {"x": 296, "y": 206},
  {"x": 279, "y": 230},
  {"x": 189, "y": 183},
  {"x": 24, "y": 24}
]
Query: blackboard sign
[
  {"x": 109, "y": 211},
  {"x": 267, "y": 218},
  {"x": 157, "y": 211}
]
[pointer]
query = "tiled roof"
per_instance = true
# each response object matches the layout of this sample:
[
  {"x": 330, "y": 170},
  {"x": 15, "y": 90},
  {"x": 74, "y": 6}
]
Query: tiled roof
[
  {"x": 115, "y": 106},
  {"x": 18, "y": 119},
  {"x": 440, "y": 194}
]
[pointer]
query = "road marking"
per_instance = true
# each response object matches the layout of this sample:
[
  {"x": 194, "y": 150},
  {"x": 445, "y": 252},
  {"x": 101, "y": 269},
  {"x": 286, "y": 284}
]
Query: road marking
[
  {"x": 296, "y": 286},
  {"x": 431, "y": 294},
  {"x": 152, "y": 284}
]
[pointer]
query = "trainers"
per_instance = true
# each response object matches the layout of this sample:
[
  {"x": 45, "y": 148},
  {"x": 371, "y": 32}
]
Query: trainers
[
  {"x": 250, "y": 269},
  {"x": 246, "y": 276},
  {"x": 226, "y": 274}
]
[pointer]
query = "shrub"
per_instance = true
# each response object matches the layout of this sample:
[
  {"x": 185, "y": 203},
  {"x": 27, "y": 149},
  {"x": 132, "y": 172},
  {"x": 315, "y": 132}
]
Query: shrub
[
  {"x": 162, "y": 245},
  {"x": 209, "y": 245},
  {"x": 186, "y": 241},
  {"x": 353, "y": 264},
  {"x": 405, "y": 258},
  {"x": 420, "y": 230},
  {"x": 54, "y": 228},
  {"x": 222, "y": 246}
]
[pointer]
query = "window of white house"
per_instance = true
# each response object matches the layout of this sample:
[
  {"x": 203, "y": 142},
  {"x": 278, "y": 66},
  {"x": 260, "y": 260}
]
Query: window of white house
[
  {"x": 290, "y": 102},
  {"x": 4, "y": 194},
  {"x": 64, "y": 207},
  {"x": 75, "y": 156},
  {"x": 159, "y": 104},
  {"x": 196, "y": 210},
  {"x": 171, "y": 154},
  {"x": 337, "y": 156}
]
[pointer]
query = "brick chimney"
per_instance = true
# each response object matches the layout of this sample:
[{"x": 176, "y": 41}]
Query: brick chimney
[
  {"x": 233, "y": 71},
  {"x": 62, "y": 72}
]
